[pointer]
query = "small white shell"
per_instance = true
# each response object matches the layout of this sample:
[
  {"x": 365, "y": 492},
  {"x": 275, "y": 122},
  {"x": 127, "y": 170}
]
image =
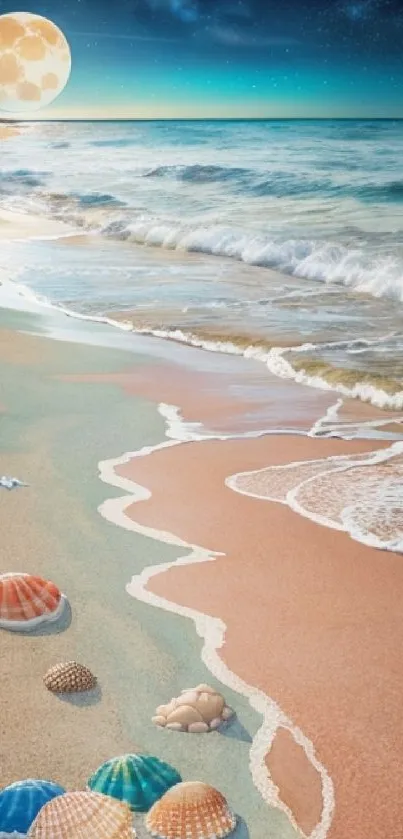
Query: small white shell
[
  {"x": 164, "y": 710},
  {"x": 187, "y": 697},
  {"x": 205, "y": 689},
  {"x": 185, "y": 715},
  {"x": 196, "y": 710},
  {"x": 198, "y": 728}
]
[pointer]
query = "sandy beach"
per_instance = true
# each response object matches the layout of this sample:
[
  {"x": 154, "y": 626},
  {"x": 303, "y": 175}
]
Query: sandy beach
[
  {"x": 54, "y": 434},
  {"x": 311, "y": 616},
  {"x": 324, "y": 607},
  {"x": 318, "y": 627}
]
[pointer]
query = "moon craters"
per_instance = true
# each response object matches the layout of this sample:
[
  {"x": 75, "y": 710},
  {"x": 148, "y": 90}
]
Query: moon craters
[{"x": 35, "y": 61}]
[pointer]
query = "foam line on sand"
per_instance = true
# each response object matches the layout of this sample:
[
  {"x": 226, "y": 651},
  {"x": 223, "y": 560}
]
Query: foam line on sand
[{"x": 211, "y": 629}]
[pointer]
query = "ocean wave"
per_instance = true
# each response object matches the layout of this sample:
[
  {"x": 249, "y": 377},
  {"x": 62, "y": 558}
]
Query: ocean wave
[
  {"x": 285, "y": 362},
  {"x": 199, "y": 173},
  {"x": 288, "y": 362},
  {"x": 320, "y": 261},
  {"x": 97, "y": 199},
  {"x": 14, "y": 178},
  {"x": 392, "y": 191},
  {"x": 250, "y": 181}
]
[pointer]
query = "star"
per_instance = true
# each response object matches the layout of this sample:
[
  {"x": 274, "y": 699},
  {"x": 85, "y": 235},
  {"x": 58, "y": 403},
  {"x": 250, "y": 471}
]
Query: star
[{"x": 358, "y": 10}]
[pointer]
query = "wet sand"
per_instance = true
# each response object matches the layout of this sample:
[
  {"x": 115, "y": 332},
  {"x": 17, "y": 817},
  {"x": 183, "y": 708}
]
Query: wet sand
[
  {"x": 313, "y": 619},
  {"x": 222, "y": 402},
  {"x": 54, "y": 433}
]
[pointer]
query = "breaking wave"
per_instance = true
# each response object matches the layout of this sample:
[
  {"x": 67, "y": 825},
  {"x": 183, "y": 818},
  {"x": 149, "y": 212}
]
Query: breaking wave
[{"x": 325, "y": 262}]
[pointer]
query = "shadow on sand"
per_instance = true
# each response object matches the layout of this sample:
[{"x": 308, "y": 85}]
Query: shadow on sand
[
  {"x": 51, "y": 627},
  {"x": 235, "y": 730},
  {"x": 241, "y": 831},
  {"x": 82, "y": 700}
]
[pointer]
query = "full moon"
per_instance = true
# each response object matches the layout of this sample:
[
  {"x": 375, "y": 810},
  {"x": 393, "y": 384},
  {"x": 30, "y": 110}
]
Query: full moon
[{"x": 35, "y": 62}]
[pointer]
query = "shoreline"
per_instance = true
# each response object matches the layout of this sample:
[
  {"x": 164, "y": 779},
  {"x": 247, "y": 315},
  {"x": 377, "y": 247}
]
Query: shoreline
[
  {"x": 141, "y": 657},
  {"x": 275, "y": 353},
  {"x": 160, "y": 591},
  {"x": 211, "y": 413},
  {"x": 211, "y": 630}
]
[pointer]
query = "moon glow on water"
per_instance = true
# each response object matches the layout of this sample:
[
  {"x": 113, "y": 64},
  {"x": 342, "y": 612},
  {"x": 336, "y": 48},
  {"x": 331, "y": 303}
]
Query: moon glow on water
[{"x": 35, "y": 62}]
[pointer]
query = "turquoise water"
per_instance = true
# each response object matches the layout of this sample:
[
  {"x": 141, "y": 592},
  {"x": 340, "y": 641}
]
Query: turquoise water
[{"x": 253, "y": 230}]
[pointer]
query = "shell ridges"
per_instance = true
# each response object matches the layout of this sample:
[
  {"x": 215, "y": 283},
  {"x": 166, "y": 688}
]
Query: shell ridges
[
  {"x": 69, "y": 677},
  {"x": 83, "y": 815},
  {"x": 21, "y": 802},
  {"x": 191, "y": 810},
  {"x": 27, "y": 600},
  {"x": 139, "y": 780}
]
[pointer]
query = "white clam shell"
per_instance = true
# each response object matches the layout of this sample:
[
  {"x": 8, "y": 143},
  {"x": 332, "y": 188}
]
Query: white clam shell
[
  {"x": 209, "y": 705},
  {"x": 159, "y": 720},
  {"x": 165, "y": 710},
  {"x": 198, "y": 728},
  {"x": 205, "y": 689},
  {"x": 188, "y": 697},
  {"x": 185, "y": 715},
  {"x": 196, "y": 710}
]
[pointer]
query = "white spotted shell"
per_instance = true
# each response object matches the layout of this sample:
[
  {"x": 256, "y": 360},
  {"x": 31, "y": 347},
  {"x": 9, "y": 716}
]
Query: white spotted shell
[{"x": 196, "y": 710}]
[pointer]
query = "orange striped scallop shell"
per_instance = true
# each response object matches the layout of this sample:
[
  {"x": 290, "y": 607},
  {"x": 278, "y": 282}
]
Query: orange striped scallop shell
[
  {"x": 26, "y": 599},
  {"x": 83, "y": 815},
  {"x": 191, "y": 810}
]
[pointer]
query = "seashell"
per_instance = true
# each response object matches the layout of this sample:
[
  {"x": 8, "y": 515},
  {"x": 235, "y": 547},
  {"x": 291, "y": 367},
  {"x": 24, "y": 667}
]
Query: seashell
[
  {"x": 191, "y": 810},
  {"x": 164, "y": 710},
  {"x": 198, "y": 728},
  {"x": 195, "y": 705},
  {"x": 26, "y": 601},
  {"x": 185, "y": 715},
  {"x": 209, "y": 705},
  {"x": 69, "y": 677},
  {"x": 21, "y": 802},
  {"x": 139, "y": 780},
  {"x": 83, "y": 815},
  {"x": 205, "y": 689},
  {"x": 187, "y": 697}
]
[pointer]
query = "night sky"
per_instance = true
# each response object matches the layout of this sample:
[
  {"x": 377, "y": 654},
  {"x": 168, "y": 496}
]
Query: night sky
[{"x": 229, "y": 58}]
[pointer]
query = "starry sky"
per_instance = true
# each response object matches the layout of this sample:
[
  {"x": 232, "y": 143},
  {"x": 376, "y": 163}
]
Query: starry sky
[{"x": 228, "y": 58}]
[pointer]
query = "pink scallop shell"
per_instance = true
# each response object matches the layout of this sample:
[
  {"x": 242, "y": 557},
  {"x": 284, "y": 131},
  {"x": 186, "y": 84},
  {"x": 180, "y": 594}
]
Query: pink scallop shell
[{"x": 26, "y": 600}]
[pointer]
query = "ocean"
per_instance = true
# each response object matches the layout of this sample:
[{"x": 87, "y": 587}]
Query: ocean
[{"x": 281, "y": 240}]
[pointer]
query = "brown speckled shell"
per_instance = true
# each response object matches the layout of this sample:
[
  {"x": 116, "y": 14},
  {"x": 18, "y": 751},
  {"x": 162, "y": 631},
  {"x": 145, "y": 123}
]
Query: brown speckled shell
[{"x": 69, "y": 677}]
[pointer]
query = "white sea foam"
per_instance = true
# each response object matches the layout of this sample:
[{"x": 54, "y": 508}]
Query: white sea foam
[
  {"x": 280, "y": 366},
  {"x": 352, "y": 493},
  {"x": 17, "y": 296},
  {"x": 211, "y": 630}
]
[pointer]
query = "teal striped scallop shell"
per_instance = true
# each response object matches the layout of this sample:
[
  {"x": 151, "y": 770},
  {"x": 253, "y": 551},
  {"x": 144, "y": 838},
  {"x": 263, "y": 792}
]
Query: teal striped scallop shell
[
  {"x": 139, "y": 780},
  {"x": 21, "y": 802}
]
